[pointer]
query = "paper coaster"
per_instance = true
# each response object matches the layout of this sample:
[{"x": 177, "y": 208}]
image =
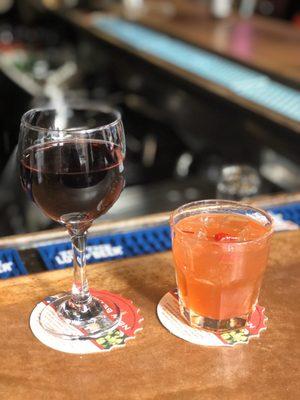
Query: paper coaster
[
  {"x": 169, "y": 314},
  {"x": 129, "y": 324}
]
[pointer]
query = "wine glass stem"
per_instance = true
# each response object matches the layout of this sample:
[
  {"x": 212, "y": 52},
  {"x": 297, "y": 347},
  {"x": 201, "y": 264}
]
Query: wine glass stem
[{"x": 80, "y": 287}]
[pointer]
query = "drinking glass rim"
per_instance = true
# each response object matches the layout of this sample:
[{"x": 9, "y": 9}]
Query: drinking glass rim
[
  {"x": 88, "y": 107},
  {"x": 219, "y": 202}
]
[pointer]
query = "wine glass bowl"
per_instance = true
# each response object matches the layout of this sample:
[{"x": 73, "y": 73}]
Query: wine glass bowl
[
  {"x": 71, "y": 166},
  {"x": 72, "y": 172}
]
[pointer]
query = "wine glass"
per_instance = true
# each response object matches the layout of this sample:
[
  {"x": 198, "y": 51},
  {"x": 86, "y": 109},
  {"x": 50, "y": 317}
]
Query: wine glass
[{"x": 71, "y": 165}]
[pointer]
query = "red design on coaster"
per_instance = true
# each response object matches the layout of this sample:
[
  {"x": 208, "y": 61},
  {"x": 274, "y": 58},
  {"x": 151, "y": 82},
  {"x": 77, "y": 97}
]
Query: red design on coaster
[
  {"x": 129, "y": 325},
  {"x": 169, "y": 315}
]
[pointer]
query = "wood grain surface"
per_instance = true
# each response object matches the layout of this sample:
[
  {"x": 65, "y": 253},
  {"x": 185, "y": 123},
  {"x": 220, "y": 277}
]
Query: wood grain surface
[
  {"x": 268, "y": 44},
  {"x": 156, "y": 365},
  {"x": 285, "y": 66},
  {"x": 265, "y": 44}
]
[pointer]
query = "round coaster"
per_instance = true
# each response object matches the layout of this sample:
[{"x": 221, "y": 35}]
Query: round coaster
[
  {"x": 169, "y": 315},
  {"x": 129, "y": 324}
]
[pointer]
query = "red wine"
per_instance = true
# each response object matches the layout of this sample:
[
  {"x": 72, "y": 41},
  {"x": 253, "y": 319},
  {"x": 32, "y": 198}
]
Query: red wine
[{"x": 73, "y": 181}]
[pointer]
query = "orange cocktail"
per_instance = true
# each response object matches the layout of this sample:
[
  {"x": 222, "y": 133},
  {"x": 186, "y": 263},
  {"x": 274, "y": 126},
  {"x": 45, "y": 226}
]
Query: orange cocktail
[{"x": 220, "y": 251}]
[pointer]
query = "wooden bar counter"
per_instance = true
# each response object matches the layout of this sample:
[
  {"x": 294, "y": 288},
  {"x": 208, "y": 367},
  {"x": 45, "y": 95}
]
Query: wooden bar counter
[
  {"x": 156, "y": 364},
  {"x": 262, "y": 44}
]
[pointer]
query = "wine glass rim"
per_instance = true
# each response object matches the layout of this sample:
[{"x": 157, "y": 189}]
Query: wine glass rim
[{"x": 100, "y": 108}]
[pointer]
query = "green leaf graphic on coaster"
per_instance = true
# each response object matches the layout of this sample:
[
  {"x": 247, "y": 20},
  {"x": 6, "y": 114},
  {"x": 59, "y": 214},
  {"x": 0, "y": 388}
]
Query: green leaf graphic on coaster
[
  {"x": 115, "y": 338},
  {"x": 234, "y": 337},
  {"x": 169, "y": 315}
]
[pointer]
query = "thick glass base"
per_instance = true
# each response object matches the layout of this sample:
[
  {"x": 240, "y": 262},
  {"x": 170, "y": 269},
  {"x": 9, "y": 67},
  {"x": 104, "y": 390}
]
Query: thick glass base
[
  {"x": 88, "y": 320},
  {"x": 216, "y": 325}
]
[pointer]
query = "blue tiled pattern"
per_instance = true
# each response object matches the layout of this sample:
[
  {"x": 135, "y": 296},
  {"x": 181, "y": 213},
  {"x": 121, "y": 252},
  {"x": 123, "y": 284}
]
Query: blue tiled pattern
[
  {"x": 11, "y": 264},
  {"x": 241, "y": 80},
  {"x": 105, "y": 248},
  {"x": 129, "y": 244},
  {"x": 290, "y": 212}
]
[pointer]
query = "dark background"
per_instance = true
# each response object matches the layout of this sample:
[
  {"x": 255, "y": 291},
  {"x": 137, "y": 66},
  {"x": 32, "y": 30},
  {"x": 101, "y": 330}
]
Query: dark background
[{"x": 178, "y": 137}]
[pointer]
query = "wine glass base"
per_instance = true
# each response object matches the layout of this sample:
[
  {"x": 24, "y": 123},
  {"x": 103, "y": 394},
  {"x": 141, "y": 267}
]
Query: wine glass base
[{"x": 62, "y": 320}]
